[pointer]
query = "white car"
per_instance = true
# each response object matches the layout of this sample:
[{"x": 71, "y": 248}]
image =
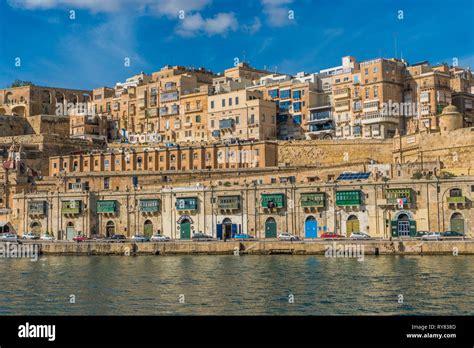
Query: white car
[
  {"x": 159, "y": 238},
  {"x": 432, "y": 236},
  {"x": 360, "y": 235},
  {"x": 139, "y": 238},
  {"x": 9, "y": 237},
  {"x": 47, "y": 237},
  {"x": 30, "y": 235},
  {"x": 287, "y": 236}
]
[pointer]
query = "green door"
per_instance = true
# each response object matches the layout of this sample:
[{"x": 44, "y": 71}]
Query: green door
[
  {"x": 457, "y": 224},
  {"x": 148, "y": 229},
  {"x": 69, "y": 233},
  {"x": 185, "y": 229},
  {"x": 270, "y": 228}
]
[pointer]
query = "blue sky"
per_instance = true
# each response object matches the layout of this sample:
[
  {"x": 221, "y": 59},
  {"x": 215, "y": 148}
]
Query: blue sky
[{"x": 89, "y": 51}]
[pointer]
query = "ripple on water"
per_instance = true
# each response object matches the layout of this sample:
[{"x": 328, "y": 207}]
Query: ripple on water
[{"x": 248, "y": 285}]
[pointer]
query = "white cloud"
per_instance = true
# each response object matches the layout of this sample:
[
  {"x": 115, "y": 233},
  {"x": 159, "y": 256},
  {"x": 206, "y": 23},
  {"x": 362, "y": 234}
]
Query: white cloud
[
  {"x": 277, "y": 12},
  {"x": 168, "y": 8},
  {"x": 253, "y": 27},
  {"x": 220, "y": 24}
]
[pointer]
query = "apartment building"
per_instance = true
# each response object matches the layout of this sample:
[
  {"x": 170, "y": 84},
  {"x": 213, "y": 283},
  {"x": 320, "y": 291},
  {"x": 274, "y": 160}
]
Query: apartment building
[
  {"x": 241, "y": 114},
  {"x": 241, "y": 155},
  {"x": 89, "y": 127}
]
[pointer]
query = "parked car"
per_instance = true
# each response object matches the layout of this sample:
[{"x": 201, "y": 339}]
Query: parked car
[
  {"x": 199, "y": 236},
  {"x": 97, "y": 237},
  {"x": 287, "y": 236},
  {"x": 452, "y": 234},
  {"x": 331, "y": 235},
  {"x": 422, "y": 233},
  {"x": 30, "y": 235},
  {"x": 80, "y": 238},
  {"x": 139, "y": 238},
  {"x": 118, "y": 238},
  {"x": 9, "y": 237},
  {"x": 432, "y": 236},
  {"x": 47, "y": 237},
  {"x": 243, "y": 236},
  {"x": 360, "y": 235},
  {"x": 159, "y": 238}
]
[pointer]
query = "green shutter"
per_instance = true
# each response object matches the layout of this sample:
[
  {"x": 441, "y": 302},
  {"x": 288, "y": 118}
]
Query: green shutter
[
  {"x": 412, "y": 228},
  {"x": 394, "y": 228}
]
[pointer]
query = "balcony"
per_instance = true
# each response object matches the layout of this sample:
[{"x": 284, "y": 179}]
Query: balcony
[
  {"x": 348, "y": 198},
  {"x": 186, "y": 203},
  {"x": 168, "y": 97},
  {"x": 37, "y": 208},
  {"x": 342, "y": 106},
  {"x": 71, "y": 207},
  {"x": 310, "y": 200},
  {"x": 371, "y": 106},
  {"x": 170, "y": 86},
  {"x": 273, "y": 201},
  {"x": 107, "y": 207},
  {"x": 379, "y": 118},
  {"x": 195, "y": 109},
  {"x": 342, "y": 93},
  {"x": 149, "y": 205},
  {"x": 318, "y": 117},
  {"x": 228, "y": 202},
  {"x": 456, "y": 200},
  {"x": 226, "y": 124}
]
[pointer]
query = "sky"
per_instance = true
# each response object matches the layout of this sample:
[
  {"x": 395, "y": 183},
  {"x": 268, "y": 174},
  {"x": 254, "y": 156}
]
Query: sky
[{"x": 86, "y": 44}]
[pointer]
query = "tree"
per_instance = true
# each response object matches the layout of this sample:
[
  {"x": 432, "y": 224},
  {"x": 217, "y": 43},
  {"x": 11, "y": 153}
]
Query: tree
[{"x": 19, "y": 83}]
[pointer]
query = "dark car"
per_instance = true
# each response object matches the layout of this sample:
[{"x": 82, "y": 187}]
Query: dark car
[
  {"x": 199, "y": 236},
  {"x": 118, "y": 238},
  {"x": 452, "y": 234}
]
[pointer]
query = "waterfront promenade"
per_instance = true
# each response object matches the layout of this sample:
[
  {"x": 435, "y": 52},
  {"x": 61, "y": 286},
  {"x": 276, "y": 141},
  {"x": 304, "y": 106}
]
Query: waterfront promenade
[{"x": 258, "y": 247}]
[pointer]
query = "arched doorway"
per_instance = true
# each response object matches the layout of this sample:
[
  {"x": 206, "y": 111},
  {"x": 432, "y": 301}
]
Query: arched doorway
[
  {"x": 35, "y": 227},
  {"x": 109, "y": 228},
  {"x": 148, "y": 228},
  {"x": 185, "y": 229},
  {"x": 270, "y": 228},
  {"x": 70, "y": 230},
  {"x": 227, "y": 228},
  {"x": 403, "y": 225},
  {"x": 4, "y": 228},
  {"x": 457, "y": 223},
  {"x": 310, "y": 227},
  {"x": 352, "y": 225}
]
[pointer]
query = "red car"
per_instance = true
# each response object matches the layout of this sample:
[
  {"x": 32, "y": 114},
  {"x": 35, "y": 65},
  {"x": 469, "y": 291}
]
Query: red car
[
  {"x": 80, "y": 238},
  {"x": 331, "y": 235}
]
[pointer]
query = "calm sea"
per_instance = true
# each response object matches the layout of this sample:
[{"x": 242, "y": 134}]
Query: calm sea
[{"x": 237, "y": 285}]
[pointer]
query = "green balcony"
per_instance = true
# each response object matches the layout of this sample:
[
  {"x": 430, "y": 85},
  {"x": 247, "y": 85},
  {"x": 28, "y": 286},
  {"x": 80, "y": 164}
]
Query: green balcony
[
  {"x": 456, "y": 200},
  {"x": 348, "y": 198},
  {"x": 107, "y": 207},
  {"x": 149, "y": 205},
  {"x": 394, "y": 195},
  {"x": 228, "y": 202},
  {"x": 273, "y": 200},
  {"x": 309, "y": 200},
  {"x": 189, "y": 203},
  {"x": 37, "y": 208},
  {"x": 71, "y": 207}
]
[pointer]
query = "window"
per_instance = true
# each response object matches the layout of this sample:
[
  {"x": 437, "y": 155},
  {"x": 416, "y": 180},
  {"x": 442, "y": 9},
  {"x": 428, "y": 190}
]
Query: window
[
  {"x": 252, "y": 119},
  {"x": 212, "y": 123},
  {"x": 212, "y": 104},
  {"x": 263, "y": 118},
  {"x": 223, "y": 102},
  {"x": 376, "y": 91},
  {"x": 367, "y": 91},
  {"x": 54, "y": 165},
  {"x": 230, "y": 101},
  {"x": 198, "y": 119},
  {"x": 375, "y": 69},
  {"x": 236, "y": 100},
  {"x": 285, "y": 94},
  {"x": 273, "y": 93},
  {"x": 237, "y": 120},
  {"x": 106, "y": 183},
  {"x": 366, "y": 71}
]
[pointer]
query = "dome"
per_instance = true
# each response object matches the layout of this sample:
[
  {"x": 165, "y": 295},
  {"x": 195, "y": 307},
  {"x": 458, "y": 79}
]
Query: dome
[{"x": 450, "y": 109}]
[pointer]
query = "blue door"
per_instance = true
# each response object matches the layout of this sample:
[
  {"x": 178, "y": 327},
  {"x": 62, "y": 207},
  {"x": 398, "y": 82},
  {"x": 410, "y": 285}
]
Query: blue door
[
  {"x": 234, "y": 230},
  {"x": 311, "y": 227},
  {"x": 219, "y": 231}
]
